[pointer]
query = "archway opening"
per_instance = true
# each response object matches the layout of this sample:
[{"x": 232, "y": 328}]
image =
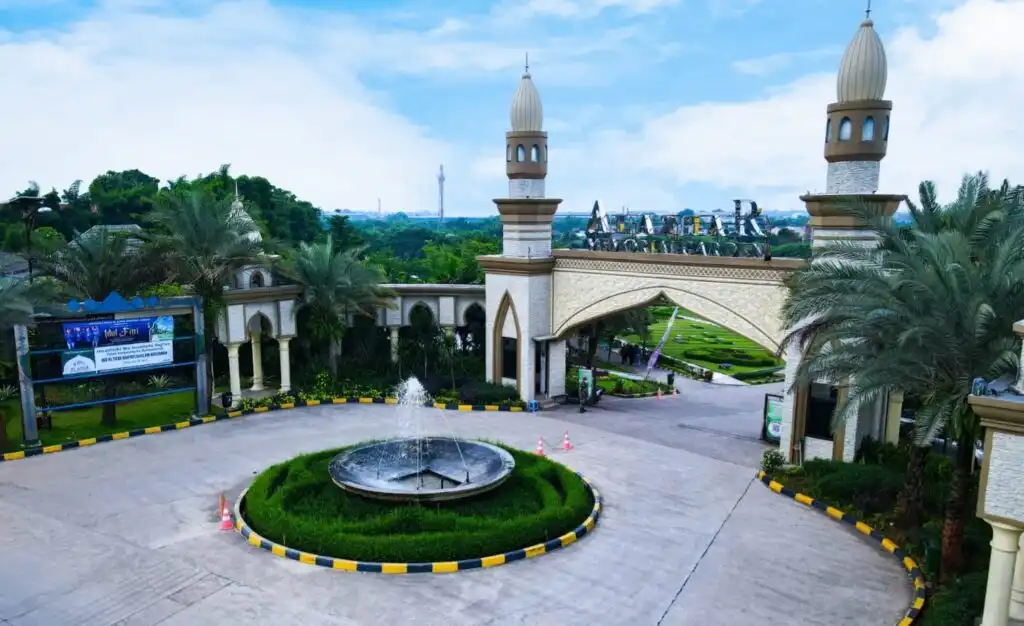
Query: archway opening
[
  {"x": 259, "y": 360},
  {"x": 506, "y": 338},
  {"x": 471, "y": 333}
]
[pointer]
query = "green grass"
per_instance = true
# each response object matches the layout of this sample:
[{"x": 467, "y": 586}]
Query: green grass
[
  {"x": 706, "y": 344},
  {"x": 296, "y": 504},
  {"x": 614, "y": 384},
  {"x": 85, "y": 423}
]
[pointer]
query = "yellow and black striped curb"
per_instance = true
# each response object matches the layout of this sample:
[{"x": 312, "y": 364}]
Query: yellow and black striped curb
[
  {"x": 916, "y": 577},
  {"x": 438, "y": 567},
  {"x": 199, "y": 421}
]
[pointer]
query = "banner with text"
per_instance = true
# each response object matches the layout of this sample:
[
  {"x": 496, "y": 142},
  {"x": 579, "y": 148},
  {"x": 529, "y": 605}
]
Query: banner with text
[{"x": 110, "y": 345}]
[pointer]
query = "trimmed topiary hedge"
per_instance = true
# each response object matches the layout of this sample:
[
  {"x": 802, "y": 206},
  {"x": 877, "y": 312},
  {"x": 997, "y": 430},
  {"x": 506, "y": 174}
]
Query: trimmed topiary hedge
[{"x": 297, "y": 505}]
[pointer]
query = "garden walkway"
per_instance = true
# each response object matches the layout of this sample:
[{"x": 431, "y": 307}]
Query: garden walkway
[{"x": 126, "y": 533}]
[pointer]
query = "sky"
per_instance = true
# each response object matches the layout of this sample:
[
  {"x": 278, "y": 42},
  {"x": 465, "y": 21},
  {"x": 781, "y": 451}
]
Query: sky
[{"x": 657, "y": 105}]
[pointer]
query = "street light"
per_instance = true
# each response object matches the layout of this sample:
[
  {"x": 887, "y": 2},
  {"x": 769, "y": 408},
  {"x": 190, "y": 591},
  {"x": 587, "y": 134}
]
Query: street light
[{"x": 29, "y": 207}]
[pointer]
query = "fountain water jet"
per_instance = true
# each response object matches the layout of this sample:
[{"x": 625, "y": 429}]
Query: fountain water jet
[{"x": 419, "y": 468}]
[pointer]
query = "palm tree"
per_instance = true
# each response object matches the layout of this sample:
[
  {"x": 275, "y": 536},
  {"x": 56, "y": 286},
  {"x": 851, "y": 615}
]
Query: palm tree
[
  {"x": 102, "y": 262},
  {"x": 334, "y": 284},
  {"x": 925, "y": 312},
  {"x": 205, "y": 240}
]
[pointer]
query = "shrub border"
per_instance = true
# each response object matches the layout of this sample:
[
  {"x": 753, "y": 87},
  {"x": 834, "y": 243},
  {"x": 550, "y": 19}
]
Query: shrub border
[
  {"x": 916, "y": 577},
  {"x": 436, "y": 567},
  {"x": 199, "y": 421}
]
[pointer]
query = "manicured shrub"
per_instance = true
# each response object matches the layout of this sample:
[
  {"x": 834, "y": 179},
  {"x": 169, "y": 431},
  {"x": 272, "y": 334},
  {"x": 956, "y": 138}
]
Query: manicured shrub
[
  {"x": 480, "y": 392},
  {"x": 296, "y": 504},
  {"x": 957, "y": 604}
]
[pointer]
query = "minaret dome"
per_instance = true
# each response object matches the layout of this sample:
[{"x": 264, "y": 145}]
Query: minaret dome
[
  {"x": 526, "y": 144},
  {"x": 863, "y": 70},
  {"x": 527, "y": 113}
]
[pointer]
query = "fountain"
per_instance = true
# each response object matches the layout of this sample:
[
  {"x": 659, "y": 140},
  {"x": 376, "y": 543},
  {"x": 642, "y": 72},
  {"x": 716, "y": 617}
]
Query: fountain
[{"x": 418, "y": 468}]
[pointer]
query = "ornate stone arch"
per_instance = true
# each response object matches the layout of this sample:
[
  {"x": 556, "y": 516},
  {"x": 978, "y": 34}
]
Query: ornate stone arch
[
  {"x": 709, "y": 308},
  {"x": 504, "y": 308}
]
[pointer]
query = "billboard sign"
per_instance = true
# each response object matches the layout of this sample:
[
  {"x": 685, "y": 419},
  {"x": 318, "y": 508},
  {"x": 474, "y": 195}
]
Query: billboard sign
[{"x": 96, "y": 347}]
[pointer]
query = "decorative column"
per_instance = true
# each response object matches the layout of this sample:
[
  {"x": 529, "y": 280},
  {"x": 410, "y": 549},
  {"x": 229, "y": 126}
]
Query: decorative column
[
  {"x": 257, "y": 362},
  {"x": 1005, "y": 542},
  {"x": 1000, "y": 498},
  {"x": 394, "y": 343},
  {"x": 286, "y": 363},
  {"x": 234, "y": 375},
  {"x": 1017, "y": 591}
]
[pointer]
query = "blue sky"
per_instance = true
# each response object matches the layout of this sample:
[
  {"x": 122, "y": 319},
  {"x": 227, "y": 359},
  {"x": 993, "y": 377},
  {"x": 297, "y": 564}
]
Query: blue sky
[{"x": 655, "y": 104}]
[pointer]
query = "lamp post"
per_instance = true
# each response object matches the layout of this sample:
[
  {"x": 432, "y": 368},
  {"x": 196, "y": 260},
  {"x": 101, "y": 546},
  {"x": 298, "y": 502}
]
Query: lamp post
[{"x": 29, "y": 207}]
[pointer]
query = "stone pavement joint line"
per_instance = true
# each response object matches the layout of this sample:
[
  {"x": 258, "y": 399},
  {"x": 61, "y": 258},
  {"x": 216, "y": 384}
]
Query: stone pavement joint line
[
  {"x": 437, "y": 567},
  {"x": 199, "y": 421},
  {"x": 916, "y": 577},
  {"x": 707, "y": 548}
]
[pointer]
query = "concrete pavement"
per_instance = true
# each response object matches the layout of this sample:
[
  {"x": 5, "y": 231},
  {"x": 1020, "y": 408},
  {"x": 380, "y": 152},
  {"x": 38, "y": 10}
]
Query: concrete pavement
[{"x": 126, "y": 533}]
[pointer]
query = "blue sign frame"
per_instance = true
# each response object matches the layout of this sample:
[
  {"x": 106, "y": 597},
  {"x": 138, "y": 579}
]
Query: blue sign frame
[{"x": 150, "y": 312}]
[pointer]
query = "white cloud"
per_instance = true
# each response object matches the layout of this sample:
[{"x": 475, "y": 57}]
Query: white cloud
[
  {"x": 179, "y": 95},
  {"x": 955, "y": 100},
  {"x": 280, "y": 96}
]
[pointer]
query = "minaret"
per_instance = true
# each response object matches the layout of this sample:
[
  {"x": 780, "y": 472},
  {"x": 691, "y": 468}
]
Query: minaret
[
  {"x": 519, "y": 281},
  {"x": 856, "y": 137},
  {"x": 526, "y": 214}
]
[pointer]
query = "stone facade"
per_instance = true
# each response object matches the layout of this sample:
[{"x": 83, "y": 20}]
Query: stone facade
[
  {"x": 852, "y": 177},
  {"x": 744, "y": 295}
]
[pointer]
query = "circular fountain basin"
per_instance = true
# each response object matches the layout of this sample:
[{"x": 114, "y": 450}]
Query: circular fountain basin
[{"x": 423, "y": 469}]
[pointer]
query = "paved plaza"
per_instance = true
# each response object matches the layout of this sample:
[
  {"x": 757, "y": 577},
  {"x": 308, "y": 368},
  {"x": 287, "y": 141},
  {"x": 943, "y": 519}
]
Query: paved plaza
[{"x": 126, "y": 533}]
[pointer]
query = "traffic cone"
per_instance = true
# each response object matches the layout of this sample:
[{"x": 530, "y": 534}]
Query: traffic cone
[
  {"x": 566, "y": 444},
  {"x": 540, "y": 446},
  {"x": 225, "y": 515},
  {"x": 675, "y": 392},
  {"x": 659, "y": 393}
]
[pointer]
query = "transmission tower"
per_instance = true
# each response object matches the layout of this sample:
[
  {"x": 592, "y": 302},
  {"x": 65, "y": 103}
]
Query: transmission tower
[{"x": 440, "y": 194}]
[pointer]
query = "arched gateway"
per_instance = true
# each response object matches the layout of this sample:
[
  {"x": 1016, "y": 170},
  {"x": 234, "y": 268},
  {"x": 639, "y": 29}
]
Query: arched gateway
[{"x": 536, "y": 297}]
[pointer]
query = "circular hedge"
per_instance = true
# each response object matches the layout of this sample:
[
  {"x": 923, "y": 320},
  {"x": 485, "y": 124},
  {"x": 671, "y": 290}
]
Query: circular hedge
[{"x": 297, "y": 505}]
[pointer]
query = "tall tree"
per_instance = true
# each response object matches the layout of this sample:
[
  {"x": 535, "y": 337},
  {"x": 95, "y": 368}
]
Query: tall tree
[
  {"x": 205, "y": 242},
  {"x": 926, "y": 312},
  {"x": 334, "y": 285}
]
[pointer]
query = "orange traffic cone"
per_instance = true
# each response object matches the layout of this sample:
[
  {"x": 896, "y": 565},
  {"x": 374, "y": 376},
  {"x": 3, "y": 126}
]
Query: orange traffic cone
[
  {"x": 540, "y": 446},
  {"x": 675, "y": 392},
  {"x": 659, "y": 393},
  {"x": 225, "y": 515},
  {"x": 566, "y": 444}
]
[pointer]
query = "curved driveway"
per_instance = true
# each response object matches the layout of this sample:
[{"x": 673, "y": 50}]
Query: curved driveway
[{"x": 126, "y": 533}]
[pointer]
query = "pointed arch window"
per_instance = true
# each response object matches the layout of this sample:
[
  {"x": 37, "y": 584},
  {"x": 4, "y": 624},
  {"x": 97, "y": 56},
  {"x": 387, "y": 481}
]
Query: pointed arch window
[
  {"x": 885, "y": 131},
  {"x": 828, "y": 130},
  {"x": 535, "y": 153},
  {"x": 256, "y": 280},
  {"x": 867, "y": 131},
  {"x": 845, "y": 129},
  {"x": 508, "y": 153},
  {"x": 520, "y": 153}
]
